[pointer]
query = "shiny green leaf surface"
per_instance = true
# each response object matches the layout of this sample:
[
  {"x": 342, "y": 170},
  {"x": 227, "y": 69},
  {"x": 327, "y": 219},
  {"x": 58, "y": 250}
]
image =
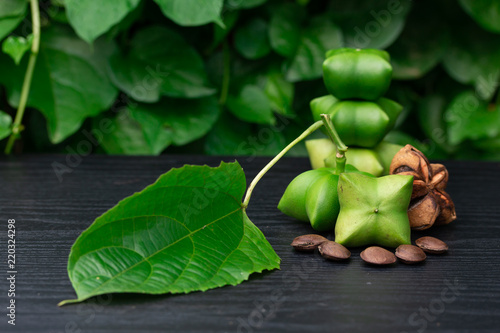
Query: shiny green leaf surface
[{"x": 186, "y": 232}]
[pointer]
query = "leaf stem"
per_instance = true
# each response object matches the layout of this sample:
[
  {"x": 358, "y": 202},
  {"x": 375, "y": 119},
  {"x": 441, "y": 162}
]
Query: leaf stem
[
  {"x": 341, "y": 147},
  {"x": 269, "y": 165},
  {"x": 227, "y": 74},
  {"x": 35, "y": 46}
]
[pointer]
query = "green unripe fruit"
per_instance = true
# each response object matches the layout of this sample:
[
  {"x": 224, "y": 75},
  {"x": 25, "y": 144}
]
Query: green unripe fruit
[
  {"x": 360, "y": 123},
  {"x": 322, "y": 203},
  {"x": 385, "y": 152},
  {"x": 357, "y": 74},
  {"x": 373, "y": 211},
  {"x": 292, "y": 202},
  {"x": 365, "y": 160}
]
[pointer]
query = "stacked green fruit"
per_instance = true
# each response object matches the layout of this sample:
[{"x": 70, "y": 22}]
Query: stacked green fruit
[{"x": 357, "y": 79}]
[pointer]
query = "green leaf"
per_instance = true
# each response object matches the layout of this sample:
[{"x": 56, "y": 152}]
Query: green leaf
[
  {"x": 160, "y": 63},
  {"x": 16, "y": 47},
  {"x": 147, "y": 129},
  {"x": 473, "y": 58},
  {"x": 368, "y": 23},
  {"x": 183, "y": 120},
  {"x": 485, "y": 12},
  {"x": 468, "y": 117},
  {"x": 5, "y": 125},
  {"x": 125, "y": 136},
  {"x": 228, "y": 137},
  {"x": 220, "y": 33},
  {"x": 420, "y": 46},
  {"x": 284, "y": 29},
  {"x": 280, "y": 93},
  {"x": 241, "y": 4},
  {"x": 184, "y": 233},
  {"x": 431, "y": 117},
  {"x": 12, "y": 12},
  {"x": 90, "y": 19},
  {"x": 69, "y": 81},
  {"x": 192, "y": 12},
  {"x": 251, "y": 105},
  {"x": 321, "y": 36},
  {"x": 251, "y": 39}
]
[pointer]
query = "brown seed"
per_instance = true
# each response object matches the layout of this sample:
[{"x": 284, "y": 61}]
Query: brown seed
[
  {"x": 432, "y": 245},
  {"x": 410, "y": 254},
  {"x": 334, "y": 251},
  {"x": 378, "y": 256},
  {"x": 308, "y": 243}
]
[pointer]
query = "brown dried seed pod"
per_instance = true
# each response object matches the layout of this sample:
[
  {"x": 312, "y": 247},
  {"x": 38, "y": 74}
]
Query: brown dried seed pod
[
  {"x": 423, "y": 213},
  {"x": 378, "y": 256},
  {"x": 308, "y": 243},
  {"x": 334, "y": 251},
  {"x": 430, "y": 204},
  {"x": 432, "y": 245},
  {"x": 410, "y": 254},
  {"x": 447, "y": 206}
]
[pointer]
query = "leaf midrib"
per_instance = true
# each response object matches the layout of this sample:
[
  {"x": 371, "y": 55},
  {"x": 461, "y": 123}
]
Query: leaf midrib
[{"x": 145, "y": 259}]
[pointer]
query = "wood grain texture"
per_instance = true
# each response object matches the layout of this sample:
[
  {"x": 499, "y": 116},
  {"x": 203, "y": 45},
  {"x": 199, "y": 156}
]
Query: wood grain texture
[{"x": 308, "y": 294}]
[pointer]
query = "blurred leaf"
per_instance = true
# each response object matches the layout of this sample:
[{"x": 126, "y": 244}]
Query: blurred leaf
[
  {"x": 321, "y": 36},
  {"x": 403, "y": 139},
  {"x": 370, "y": 23},
  {"x": 420, "y": 47},
  {"x": 484, "y": 12},
  {"x": 252, "y": 105},
  {"x": 125, "y": 138},
  {"x": 184, "y": 120},
  {"x": 431, "y": 118},
  {"x": 280, "y": 93},
  {"x": 90, "y": 18},
  {"x": 12, "y": 12},
  {"x": 5, "y": 125},
  {"x": 160, "y": 63},
  {"x": 468, "y": 117},
  {"x": 192, "y": 12},
  {"x": 251, "y": 39},
  {"x": 240, "y": 4},
  {"x": 16, "y": 47},
  {"x": 284, "y": 29},
  {"x": 474, "y": 58},
  {"x": 69, "y": 81},
  {"x": 229, "y": 137},
  {"x": 220, "y": 33}
]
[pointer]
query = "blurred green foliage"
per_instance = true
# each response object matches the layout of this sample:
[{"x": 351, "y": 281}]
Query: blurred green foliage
[{"x": 235, "y": 77}]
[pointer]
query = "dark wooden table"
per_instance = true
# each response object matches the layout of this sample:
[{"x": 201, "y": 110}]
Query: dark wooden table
[{"x": 459, "y": 291}]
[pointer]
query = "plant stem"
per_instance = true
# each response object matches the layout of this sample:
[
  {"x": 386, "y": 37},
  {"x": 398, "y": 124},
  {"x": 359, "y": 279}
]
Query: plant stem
[
  {"x": 269, "y": 165},
  {"x": 35, "y": 46},
  {"x": 341, "y": 147},
  {"x": 227, "y": 74}
]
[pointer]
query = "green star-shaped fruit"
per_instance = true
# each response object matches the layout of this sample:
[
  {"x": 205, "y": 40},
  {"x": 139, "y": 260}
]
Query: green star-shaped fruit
[{"x": 373, "y": 210}]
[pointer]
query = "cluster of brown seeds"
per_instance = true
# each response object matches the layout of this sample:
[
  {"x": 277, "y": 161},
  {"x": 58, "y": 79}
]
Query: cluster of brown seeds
[{"x": 375, "y": 255}]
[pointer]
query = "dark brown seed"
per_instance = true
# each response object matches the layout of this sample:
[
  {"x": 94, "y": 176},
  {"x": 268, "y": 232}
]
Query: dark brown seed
[
  {"x": 334, "y": 251},
  {"x": 308, "y": 243},
  {"x": 378, "y": 256},
  {"x": 432, "y": 245},
  {"x": 410, "y": 254}
]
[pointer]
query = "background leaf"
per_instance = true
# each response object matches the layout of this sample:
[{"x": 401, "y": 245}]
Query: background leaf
[
  {"x": 321, "y": 36},
  {"x": 252, "y": 105},
  {"x": 284, "y": 29},
  {"x": 90, "y": 19},
  {"x": 5, "y": 125},
  {"x": 192, "y": 12},
  {"x": 12, "y": 12},
  {"x": 69, "y": 82},
  {"x": 184, "y": 233},
  {"x": 251, "y": 39},
  {"x": 160, "y": 63},
  {"x": 16, "y": 47},
  {"x": 485, "y": 12}
]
